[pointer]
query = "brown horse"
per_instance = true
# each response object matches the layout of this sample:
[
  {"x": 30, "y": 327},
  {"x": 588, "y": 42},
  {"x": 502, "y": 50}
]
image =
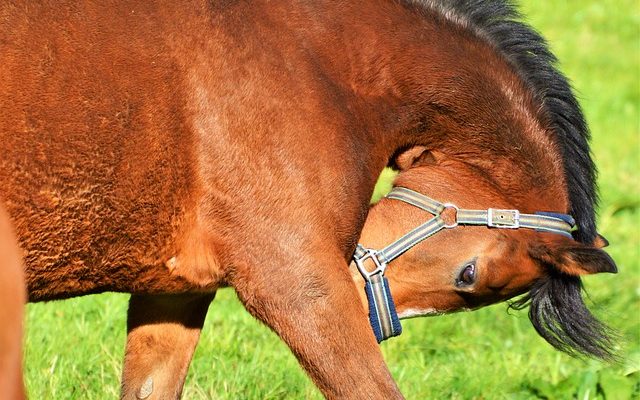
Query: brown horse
[
  {"x": 12, "y": 298},
  {"x": 167, "y": 151}
]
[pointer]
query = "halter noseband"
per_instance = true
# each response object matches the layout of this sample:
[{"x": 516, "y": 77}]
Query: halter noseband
[{"x": 382, "y": 314}]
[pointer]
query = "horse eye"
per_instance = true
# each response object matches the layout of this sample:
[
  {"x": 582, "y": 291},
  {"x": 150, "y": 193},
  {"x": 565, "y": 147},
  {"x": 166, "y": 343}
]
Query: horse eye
[{"x": 467, "y": 275}]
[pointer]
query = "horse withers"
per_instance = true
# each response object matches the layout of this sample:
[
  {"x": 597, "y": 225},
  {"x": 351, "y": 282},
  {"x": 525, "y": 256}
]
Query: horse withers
[
  {"x": 12, "y": 298},
  {"x": 168, "y": 151}
]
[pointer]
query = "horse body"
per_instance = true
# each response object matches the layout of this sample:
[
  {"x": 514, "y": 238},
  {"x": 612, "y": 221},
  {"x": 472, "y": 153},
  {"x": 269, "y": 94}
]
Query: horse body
[
  {"x": 187, "y": 134},
  {"x": 168, "y": 151},
  {"x": 173, "y": 167},
  {"x": 132, "y": 163}
]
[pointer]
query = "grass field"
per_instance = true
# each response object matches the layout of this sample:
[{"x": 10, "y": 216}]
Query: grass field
[{"x": 74, "y": 348}]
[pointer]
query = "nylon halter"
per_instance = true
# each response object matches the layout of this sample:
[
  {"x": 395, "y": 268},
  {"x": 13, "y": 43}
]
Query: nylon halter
[{"x": 382, "y": 314}]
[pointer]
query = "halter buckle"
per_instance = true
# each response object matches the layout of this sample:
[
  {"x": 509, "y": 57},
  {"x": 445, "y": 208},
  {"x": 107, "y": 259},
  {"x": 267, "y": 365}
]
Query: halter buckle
[
  {"x": 505, "y": 219},
  {"x": 374, "y": 255}
]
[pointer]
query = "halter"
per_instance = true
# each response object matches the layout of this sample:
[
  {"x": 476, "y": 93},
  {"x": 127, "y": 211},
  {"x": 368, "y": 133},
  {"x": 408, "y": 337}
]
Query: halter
[{"x": 382, "y": 313}]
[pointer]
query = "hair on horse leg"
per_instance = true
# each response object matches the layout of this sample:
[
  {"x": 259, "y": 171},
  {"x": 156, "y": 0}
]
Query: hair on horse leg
[
  {"x": 12, "y": 298},
  {"x": 163, "y": 332},
  {"x": 321, "y": 319}
]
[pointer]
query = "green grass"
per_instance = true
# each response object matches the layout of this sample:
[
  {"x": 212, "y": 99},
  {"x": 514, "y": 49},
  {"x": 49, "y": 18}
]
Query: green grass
[{"x": 74, "y": 348}]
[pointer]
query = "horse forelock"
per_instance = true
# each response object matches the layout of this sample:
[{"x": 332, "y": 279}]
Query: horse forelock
[
  {"x": 558, "y": 313},
  {"x": 498, "y": 22}
]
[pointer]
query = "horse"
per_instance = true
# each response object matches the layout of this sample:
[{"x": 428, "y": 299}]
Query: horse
[
  {"x": 169, "y": 151},
  {"x": 12, "y": 298}
]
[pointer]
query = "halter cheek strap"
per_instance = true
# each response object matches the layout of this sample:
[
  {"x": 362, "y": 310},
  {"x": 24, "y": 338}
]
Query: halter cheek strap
[{"x": 382, "y": 312}]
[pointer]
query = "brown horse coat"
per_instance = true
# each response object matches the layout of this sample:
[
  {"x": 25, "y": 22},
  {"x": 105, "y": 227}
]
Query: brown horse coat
[
  {"x": 154, "y": 149},
  {"x": 168, "y": 150}
]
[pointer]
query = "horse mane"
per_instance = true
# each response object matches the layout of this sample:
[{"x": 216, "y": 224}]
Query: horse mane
[
  {"x": 498, "y": 23},
  {"x": 557, "y": 310}
]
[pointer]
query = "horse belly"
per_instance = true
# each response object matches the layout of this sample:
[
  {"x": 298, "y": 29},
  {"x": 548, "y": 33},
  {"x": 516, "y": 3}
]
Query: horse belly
[{"x": 86, "y": 228}]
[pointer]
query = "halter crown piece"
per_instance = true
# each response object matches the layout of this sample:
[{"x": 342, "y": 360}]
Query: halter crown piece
[{"x": 382, "y": 311}]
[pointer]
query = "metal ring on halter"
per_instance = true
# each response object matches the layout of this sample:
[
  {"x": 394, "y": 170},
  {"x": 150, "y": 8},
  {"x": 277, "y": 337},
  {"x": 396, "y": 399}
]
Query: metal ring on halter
[
  {"x": 450, "y": 205},
  {"x": 374, "y": 255}
]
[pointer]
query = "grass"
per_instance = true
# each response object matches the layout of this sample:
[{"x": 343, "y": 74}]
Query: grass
[{"x": 74, "y": 348}]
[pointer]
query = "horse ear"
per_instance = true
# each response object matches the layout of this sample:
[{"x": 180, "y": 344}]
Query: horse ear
[
  {"x": 600, "y": 241},
  {"x": 413, "y": 156},
  {"x": 573, "y": 258}
]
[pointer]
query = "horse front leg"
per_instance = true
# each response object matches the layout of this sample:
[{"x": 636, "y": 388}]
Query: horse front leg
[
  {"x": 313, "y": 305},
  {"x": 12, "y": 298},
  {"x": 163, "y": 331}
]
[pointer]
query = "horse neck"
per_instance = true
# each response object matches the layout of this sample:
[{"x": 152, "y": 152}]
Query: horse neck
[{"x": 436, "y": 84}]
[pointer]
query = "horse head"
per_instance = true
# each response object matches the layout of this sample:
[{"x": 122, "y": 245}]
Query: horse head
[{"x": 464, "y": 266}]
